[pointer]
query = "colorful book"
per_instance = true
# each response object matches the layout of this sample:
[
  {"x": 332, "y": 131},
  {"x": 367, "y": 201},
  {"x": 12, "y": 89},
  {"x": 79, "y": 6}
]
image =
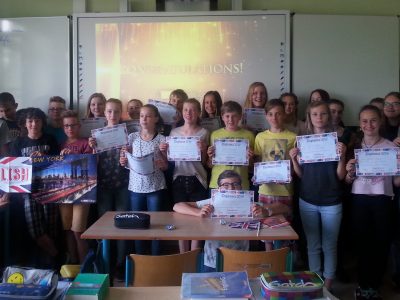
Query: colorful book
[
  {"x": 216, "y": 285},
  {"x": 89, "y": 287}
]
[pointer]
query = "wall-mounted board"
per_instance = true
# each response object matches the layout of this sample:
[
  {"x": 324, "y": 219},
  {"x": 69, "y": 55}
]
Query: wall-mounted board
[{"x": 34, "y": 59}]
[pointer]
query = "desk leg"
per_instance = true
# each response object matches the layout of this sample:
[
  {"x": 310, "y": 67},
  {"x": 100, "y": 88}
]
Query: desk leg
[{"x": 106, "y": 256}]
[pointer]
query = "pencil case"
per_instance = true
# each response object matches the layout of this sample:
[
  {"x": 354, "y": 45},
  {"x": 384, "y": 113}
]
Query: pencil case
[
  {"x": 291, "y": 285},
  {"x": 132, "y": 220}
]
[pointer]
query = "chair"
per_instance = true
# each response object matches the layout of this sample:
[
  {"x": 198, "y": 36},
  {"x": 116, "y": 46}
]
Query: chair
[
  {"x": 162, "y": 270},
  {"x": 254, "y": 262}
]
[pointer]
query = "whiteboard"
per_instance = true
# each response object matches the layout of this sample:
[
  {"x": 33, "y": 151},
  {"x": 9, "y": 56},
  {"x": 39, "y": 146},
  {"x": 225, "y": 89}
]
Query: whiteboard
[
  {"x": 257, "y": 41},
  {"x": 354, "y": 58},
  {"x": 34, "y": 59}
]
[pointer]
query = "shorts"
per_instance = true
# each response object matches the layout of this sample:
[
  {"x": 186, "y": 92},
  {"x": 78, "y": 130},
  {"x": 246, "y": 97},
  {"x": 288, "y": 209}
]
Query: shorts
[{"x": 74, "y": 216}]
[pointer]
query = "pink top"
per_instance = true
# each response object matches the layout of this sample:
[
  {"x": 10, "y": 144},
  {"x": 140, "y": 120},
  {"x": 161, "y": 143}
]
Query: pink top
[
  {"x": 375, "y": 185},
  {"x": 81, "y": 146}
]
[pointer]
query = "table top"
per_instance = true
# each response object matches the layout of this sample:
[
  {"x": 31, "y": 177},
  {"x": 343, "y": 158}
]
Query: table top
[
  {"x": 187, "y": 228},
  {"x": 173, "y": 293}
]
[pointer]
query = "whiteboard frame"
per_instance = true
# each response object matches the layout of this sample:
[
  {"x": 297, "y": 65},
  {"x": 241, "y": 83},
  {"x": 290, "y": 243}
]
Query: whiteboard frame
[{"x": 169, "y": 15}]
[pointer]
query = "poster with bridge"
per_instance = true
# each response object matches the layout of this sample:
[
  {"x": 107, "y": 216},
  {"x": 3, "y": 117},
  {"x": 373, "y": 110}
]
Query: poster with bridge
[{"x": 64, "y": 179}]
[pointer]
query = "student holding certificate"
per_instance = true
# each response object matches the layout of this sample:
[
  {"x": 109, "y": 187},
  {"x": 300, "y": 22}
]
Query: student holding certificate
[
  {"x": 227, "y": 180},
  {"x": 147, "y": 190},
  {"x": 320, "y": 196},
  {"x": 190, "y": 177},
  {"x": 273, "y": 145},
  {"x": 231, "y": 115},
  {"x": 112, "y": 179},
  {"x": 372, "y": 209}
]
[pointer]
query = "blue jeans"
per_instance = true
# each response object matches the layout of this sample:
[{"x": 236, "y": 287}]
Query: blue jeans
[
  {"x": 114, "y": 200},
  {"x": 321, "y": 225},
  {"x": 147, "y": 202}
]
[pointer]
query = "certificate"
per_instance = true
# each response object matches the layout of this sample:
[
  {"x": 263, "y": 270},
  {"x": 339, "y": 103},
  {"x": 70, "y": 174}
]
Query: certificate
[
  {"x": 231, "y": 152},
  {"x": 211, "y": 124},
  {"x": 183, "y": 148},
  {"x": 272, "y": 172},
  {"x": 318, "y": 147},
  {"x": 110, "y": 137},
  {"x": 132, "y": 126},
  {"x": 232, "y": 204},
  {"x": 377, "y": 162},
  {"x": 255, "y": 119},
  {"x": 141, "y": 165},
  {"x": 88, "y": 124},
  {"x": 167, "y": 111}
]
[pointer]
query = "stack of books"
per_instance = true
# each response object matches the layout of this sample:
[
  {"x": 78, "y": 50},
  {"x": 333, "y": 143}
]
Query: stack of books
[
  {"x": 216, "y": 285},
  {"x": 89, "y": 287}
]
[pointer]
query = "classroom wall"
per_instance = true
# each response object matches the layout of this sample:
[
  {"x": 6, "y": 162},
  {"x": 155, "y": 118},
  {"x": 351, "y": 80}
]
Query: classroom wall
[{"x": 42, "y": 8}]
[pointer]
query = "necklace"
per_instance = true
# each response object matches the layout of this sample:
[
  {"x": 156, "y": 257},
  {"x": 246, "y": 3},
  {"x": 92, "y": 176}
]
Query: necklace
[{"x": 370, "y": 146}]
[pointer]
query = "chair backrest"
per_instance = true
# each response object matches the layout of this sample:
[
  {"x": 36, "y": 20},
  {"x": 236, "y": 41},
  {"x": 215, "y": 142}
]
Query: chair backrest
[
  {"x": 163, "y": 270},
  {"x": 254, "y": 262}
]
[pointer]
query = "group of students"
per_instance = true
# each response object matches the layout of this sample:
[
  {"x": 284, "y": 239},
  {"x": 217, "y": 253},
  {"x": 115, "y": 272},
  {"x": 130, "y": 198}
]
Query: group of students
[{"x": 320, "y": 187}]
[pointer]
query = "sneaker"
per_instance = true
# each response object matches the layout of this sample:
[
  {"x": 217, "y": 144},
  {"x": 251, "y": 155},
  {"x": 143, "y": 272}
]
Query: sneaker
[{"x": 367, "y": 294}]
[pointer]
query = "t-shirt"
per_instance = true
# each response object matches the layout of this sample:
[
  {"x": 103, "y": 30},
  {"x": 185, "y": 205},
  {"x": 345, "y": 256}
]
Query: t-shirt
[
  {"x": 110, "y": 174},
  {"x": 243, "y": 171},
  {"x": 319, "y": 184},
  {"x": 146, "y": 183},
  {"x": 3, "y": 133},
  {"x": 190, "y": 168},
  {"x": 25, "y": 146},
  {"x": 81, "y": 146},
  {"x": 271, "y": 146},
  {"x": 210, "y": 247},
  {"x": 13, "y": 130},
  {"x": 375, "y": 185},
  {"x": 58, "y": 133}
]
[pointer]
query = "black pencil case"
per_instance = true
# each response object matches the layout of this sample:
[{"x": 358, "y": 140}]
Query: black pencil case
[{"x": 132, "y": 220}]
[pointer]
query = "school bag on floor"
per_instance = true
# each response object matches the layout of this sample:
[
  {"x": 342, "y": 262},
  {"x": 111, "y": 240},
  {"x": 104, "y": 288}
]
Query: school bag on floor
[{"x": 28, "y": 283}]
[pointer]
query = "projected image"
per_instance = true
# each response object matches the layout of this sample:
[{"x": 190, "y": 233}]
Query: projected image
[{"x": 135, "y": 58}]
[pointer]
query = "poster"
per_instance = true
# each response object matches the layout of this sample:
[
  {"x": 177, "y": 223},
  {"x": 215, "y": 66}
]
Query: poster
[{"x": 64, "y": 179}]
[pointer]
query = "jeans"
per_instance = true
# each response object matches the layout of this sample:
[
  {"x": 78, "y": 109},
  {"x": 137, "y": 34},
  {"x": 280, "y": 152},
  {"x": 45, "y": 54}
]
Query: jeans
[
  {"x": 321, "y": 225},
  {"x": 147, "y": 202},
  {"x": 114, "y": 200}
]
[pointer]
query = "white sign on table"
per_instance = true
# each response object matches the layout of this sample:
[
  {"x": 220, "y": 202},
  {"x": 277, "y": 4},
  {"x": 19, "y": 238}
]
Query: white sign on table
[
  {"x": 183, "y": 148},
  {"x": 141, "y": 165},
  {"x": 232, "y": 203},
  {"x": 88, "y": 124},
  {"x": 377, "y": 162},
  {"x": 112, "y": 137},
  {"x": 231, "y": 152},
  {"x": 318, "y": 147},
  {"x": 255, "y": 119},
  {"x": 272, "y": 172},
  {"x": 168, "y": 112},
  {"x": 211, "y": 124}
]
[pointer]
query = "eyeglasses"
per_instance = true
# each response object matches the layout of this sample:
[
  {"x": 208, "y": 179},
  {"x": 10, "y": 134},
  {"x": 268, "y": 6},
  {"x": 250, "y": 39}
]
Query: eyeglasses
[
  {"x": 234, "y": 185},
  {"x": 391, "y": 104},
  {"x": 56, "y": 109},
  {"x": 70, "y": 125}
]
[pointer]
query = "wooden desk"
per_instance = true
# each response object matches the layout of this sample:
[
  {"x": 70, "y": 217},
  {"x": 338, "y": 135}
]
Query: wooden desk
[
  {"x": 187, "y": 228},
  {"x": 172, "y": 293}
]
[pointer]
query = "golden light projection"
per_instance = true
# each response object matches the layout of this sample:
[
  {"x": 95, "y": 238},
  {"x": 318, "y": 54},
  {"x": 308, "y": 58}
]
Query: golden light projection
[{"x": 147, "y": 60}]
